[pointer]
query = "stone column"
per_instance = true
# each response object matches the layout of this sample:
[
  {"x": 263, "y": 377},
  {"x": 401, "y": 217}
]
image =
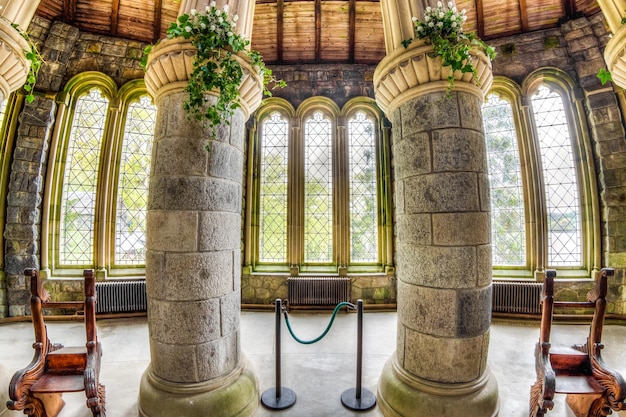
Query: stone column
[
  {"x": 443, "y": 251},
  {"x": 193, "y": 264},
  {"x": 614, "y": 12}
]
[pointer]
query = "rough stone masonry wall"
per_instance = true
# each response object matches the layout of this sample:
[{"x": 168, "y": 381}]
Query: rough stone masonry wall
[{"x": 577, "y": 48}]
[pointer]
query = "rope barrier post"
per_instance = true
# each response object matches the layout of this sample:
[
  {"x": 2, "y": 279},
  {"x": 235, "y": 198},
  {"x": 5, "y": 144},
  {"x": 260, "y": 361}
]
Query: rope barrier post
[
  {"x": 278, "y": 398},
  {"x": 359, "y": 399}
]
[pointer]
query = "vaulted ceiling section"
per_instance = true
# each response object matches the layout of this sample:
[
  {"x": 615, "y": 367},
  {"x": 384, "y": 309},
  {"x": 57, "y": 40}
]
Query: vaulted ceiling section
[{"x": 312, "y": 31}]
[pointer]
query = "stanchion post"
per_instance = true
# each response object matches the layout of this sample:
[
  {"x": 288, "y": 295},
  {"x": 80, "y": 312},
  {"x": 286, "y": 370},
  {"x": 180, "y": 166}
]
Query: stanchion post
[
  {"x": 278, "y": 398},
  {"x": 358, "y": 399}
]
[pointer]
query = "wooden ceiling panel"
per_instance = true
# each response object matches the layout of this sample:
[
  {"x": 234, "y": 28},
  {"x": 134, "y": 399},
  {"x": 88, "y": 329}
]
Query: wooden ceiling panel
[
  {"x": 292, "y": 31},
  {"x": 369, "y": 39},
  {"x": 264, "y": 31},
  {"x": 544, "y": 13},
  {"x": 335, "y": 42},
  {"x": 299, "y": 32},
  {"x": 502, "y": 17},
  {"x": 136, "y": 20}
]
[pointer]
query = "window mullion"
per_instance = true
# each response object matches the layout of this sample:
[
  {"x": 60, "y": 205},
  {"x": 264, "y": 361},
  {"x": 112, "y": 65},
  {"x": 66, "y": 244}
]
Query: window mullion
[
  {"x": 341, "y": 198},
  {"x": 295, "y": 199}
]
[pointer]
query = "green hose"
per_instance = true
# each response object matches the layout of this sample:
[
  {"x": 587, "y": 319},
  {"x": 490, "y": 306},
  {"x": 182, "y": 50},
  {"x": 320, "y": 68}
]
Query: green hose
[{"x": 317, "y": 339}]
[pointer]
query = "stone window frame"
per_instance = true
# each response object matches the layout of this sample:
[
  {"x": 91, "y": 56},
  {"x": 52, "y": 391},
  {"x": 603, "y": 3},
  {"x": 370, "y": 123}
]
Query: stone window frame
[
  {"x": 108, "y": 174},
  {"x": 533, "y": 193},
  {"x": 295, "y": 247}
]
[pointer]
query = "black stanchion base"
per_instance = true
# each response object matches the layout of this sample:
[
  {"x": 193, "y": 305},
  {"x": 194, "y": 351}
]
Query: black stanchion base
[
  {"x": 349, "y": 399},
  {"x": 271, "y": 401}
]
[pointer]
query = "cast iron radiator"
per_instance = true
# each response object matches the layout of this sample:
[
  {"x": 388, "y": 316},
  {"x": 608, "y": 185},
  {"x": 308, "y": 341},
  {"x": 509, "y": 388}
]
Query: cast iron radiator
[
  {"x": 517, "y": 297},
  {"x": 318, "y": 290},
  {"x": 121, "y": 296}
]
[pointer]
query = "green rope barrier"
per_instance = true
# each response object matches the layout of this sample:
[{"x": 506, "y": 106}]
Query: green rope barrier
[{"x": 317, "y": 339}]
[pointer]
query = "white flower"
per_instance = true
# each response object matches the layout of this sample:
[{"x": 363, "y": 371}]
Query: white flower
[
  {"x": 229, "y": 34},
  {"x": 426, "y": 18},
  {"x": 454, "y": 9},
  {"x": 220, "y": 19},
  {"x": 441, "y": 15},
  {"x": 235, "y": 18},
  {"x": 207, "y": 9},
  {"x": 420, "y": 28},
  {"x": 453, "y": 24},
  {"x": 194, "y": 12},
  {"x": 428, "y": 9},
  {"x": 414, "y": 19},
  {"x": 226, "y": 8},
  {"x": 450, "y": 5},
  {"x": 213, "y": 3},
  {"x": 188, "y": 29},
  {"x": 202, "y": 25},
  {"x": 212, "y": 28},
  {"x": 431, "y": 25},
  {"x": 218, "y": 12},
  {"x": 439, "y": 4}
]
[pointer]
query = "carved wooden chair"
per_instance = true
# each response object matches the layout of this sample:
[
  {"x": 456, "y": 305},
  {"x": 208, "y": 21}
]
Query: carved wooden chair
[
  {"x": 55, "y": 369},
  {"x": 592, "y": 388}
]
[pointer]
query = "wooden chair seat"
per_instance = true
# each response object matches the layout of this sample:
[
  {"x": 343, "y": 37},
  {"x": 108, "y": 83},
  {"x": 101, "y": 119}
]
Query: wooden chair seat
[
  {"x": 55, "y": 369},
  {"x": 578, "y": 371}
]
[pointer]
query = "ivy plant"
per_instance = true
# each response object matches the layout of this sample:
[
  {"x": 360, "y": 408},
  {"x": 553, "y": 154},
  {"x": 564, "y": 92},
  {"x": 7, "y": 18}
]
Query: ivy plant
[
  {"x": 215, "y": 68},
  {"x": 442, "y": 27},
  {"x": 35, "y": 64}
]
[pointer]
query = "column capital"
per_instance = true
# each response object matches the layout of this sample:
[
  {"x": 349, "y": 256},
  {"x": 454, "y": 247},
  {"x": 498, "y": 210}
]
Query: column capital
[
  {"x": 410, "y": 72},
  {"x": 14, "y": 68},
  {"x": 171, "y": 62},
  {"x": 615, "y": 57}
]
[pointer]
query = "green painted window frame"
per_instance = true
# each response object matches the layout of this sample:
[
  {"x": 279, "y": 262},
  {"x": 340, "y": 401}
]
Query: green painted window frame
[
  {"x": 340, "y": 263},
  {"x": 108, "y": 178},
  {"x": 532, "y": 176}
]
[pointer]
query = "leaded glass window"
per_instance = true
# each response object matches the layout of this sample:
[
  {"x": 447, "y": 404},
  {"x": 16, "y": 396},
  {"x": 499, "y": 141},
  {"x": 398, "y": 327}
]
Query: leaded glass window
[
  {"x": 318, "y": 190},
  {"x": 508, "y": 231},
  {"x": 273, "y": 198},
  {"x": 132, "y": 188},
  {"x": 78, "y": 201},
  {"x": 363, "y": 207},
  {"x": 560, "y": 179}
]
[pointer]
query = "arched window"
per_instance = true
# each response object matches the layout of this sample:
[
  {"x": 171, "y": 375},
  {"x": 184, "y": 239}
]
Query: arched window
[
  {"x": 542, "y": 191},
  {"x": 99, "y": 170},
  {"x": 320, "y": 189}
]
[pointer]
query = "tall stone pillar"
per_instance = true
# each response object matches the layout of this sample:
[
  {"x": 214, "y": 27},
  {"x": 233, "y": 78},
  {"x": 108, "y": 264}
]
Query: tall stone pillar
[
  {"x": 443, "y": 251},
  {"x": 193, "y": 266},
  {"x": 614, "y": 11}
]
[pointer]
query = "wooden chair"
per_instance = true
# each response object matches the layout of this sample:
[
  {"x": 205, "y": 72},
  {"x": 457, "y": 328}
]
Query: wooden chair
[
  {"x": 55, "y": 369},
  {"x": 592, "y": 389}
]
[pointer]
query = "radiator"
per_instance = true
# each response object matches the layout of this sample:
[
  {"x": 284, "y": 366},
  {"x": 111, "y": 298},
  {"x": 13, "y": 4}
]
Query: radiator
[
  {"x": 121, "y": 296},
  {"x": 318, "y": 291},
  {"x": 517, "y": 297}
]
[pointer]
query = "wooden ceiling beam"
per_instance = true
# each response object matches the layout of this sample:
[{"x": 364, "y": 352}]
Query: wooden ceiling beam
[
  {"x": 318, "y": 30},
  {"x": 352, "y": 31},
  {"x": 280, "y": 29},
  {"x": 115, "y": 12},
  {"x": 523, "y": 13},
  {"x": 69, "y": 11},
  {"x": 156, "y": 25},
  {"x": 569, "y": 9},
  {"x": 480, "y": 23}
]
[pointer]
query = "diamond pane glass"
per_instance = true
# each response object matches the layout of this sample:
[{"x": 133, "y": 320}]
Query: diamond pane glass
[
  {"x": 3, "y": 107},
  {"x": 78, "y": 198},
  {"x": 273, "y": 200},
  {"x": 508, "y": 232},
  {"x": 318, "y": 203},
  {"x": 132, "y": 187},
  {"x": 560, "y": 180},
  {"x": 363, "y": 210}
]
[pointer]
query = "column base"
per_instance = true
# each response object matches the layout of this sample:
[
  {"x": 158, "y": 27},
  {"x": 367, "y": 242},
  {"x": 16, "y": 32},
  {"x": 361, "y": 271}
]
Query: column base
[
  {"x": 401, "y": 394},
  {"x": 233, "y": 395}
]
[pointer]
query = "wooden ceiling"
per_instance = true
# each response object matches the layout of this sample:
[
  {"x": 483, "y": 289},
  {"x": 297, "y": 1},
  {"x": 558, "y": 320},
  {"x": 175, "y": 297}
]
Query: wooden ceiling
[{"x": 312, "y": 31}]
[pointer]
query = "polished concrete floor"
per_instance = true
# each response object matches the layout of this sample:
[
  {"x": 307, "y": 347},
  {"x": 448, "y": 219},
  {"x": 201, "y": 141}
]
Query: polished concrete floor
[{"x": 317, "y": 373}]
